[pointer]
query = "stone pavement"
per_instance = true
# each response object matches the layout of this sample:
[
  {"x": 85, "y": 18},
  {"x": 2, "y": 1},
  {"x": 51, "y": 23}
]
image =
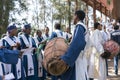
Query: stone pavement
[{"x": 111, "y": 74}]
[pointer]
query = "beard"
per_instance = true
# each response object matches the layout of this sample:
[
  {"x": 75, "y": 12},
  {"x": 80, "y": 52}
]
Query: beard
[{"x": 74, "y": 22}]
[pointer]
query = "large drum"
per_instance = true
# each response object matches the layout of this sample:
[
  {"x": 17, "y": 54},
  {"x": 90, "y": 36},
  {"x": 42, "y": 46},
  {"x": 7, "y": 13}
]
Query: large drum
[
  {"x": 112, "y": 47},
  {"x": 52, "y": 53}
]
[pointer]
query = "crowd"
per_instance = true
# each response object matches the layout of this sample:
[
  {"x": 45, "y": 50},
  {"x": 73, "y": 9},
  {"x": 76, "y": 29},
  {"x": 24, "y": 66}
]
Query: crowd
[{"x": 21, "y": 53}]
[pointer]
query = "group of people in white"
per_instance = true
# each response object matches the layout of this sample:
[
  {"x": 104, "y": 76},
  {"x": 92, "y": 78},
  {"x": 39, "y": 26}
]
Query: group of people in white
[{"x": 29, "y": 65}]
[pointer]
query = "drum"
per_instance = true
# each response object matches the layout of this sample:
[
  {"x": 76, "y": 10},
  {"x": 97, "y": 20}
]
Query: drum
[
  {"x": 111, "y": 48},
  {"x": 52, "y": 53}
]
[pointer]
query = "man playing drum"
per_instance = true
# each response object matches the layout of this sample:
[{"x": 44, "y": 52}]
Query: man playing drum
[{"x": 74, "y": 55}]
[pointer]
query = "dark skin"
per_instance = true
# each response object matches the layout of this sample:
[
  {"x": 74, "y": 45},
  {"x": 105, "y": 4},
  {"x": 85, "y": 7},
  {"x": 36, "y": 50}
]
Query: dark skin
[
  {"x": 100, "y": 27},
  {"x": 76, "y": 19},
  {"x": 39, "y": 34},
  {"x": 28, "y": 31},
  {"x": 46, "y": 30},
  {"x": 14, "y": 33}
]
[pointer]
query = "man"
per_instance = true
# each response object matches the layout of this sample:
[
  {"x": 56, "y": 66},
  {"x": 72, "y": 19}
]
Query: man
[
  {"x": 46, "y": 35},
  {"x": 58, "y": 32},
  {"x": 74, "y": 55},
  {"x": 40, "y": 43},
  {"x": 105, "y": 36},
  {"x": 9, "y": 56},
  {"x": 13, "y": 43},
  {"x": 115, "y": 36},
  {"x": 28, "y": 45},
  {"x": 38, "y": 38},
  {"x": 67, "y": 34},
  {"x": 5, "y": 58},
  {"x": 97, "y": 66}
]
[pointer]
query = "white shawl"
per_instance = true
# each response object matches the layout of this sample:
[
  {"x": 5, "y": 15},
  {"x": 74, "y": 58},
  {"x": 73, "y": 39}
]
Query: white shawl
[
  {"x": 81, "y": 62},
  {"x": 28, "y": 52}
]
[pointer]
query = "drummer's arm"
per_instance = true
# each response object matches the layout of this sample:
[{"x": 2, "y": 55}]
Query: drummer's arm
[
  {"x": 76, "y": 46},
  {"x": 1, "y": 78},
  {"x": 53, "y": 35}
]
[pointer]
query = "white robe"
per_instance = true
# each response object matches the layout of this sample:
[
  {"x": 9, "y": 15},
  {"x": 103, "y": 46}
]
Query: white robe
[
  {"x": 82, "y": 59},
  {"x": 18, "y": 65},
  {"x": 97, "y": 65}
]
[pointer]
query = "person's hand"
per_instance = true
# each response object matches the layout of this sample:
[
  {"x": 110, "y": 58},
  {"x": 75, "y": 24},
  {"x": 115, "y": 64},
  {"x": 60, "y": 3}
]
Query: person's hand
[
  {"x": 2, "y": 47},
  {"x": 17, "y": 45},
  {"x": 34, "y": 50},
  {"x": 20, "y": 54},
  {"x": 106, "y": 55}
]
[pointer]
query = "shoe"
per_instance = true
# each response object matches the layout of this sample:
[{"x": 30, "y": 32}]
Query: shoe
[{"x": 116, "y": 73}]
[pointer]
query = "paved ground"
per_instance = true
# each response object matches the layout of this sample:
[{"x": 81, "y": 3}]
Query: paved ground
[{"x": 112, "y": 76}]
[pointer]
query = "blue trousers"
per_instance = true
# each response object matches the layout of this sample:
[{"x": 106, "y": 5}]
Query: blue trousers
[{"x": 116, "y": 59}]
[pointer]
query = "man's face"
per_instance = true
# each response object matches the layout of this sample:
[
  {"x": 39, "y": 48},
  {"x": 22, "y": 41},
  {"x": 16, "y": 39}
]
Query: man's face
[
  {"x": 28, "y": 30},
  {"x": 46, "y": 30},
  {"x": 75, "y": 19},
  {"x": 39, "y": 34},
  {"x": 100, "y": 27},
  {"x": 13, "y": 32},
  {"x": 68, "y": 30}
]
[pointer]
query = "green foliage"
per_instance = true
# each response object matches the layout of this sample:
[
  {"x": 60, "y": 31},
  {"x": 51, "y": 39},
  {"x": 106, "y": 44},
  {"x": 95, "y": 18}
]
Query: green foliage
[
  {"x": 6, "y": 6},
  {"x": 62, "y": 10}
]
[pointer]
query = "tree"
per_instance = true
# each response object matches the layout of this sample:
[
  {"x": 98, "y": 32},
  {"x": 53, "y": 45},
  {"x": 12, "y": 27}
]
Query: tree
[{"x": 6, "y": 6}]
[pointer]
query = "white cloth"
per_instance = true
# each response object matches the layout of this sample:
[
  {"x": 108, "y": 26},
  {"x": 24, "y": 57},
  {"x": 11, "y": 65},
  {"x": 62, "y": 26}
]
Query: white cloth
[
  {"x": 65, "y": 34},
  {"x": 30, "y": 66},
  {"x": 11, "y": 42},
  {"x": 18, "y": 67},
  {"x": 81, "y": 63},
  {"x": 7, "y": 68},
  {"x": 28, "y": 44},
  {"x": 45, "y": 37},
  {"x": 40, "y": 67},
  {"x": 58, "y": 32},
  {"x": 97, "y": 65},
  {"x": 1, "y": 69},
  {"x": 1, "y": 44},
  {"x": 29, "y": 52},
  {"x": 9, "y": 76},
  {"x": 105, "y": 35},
  {"x": 36, "y": 41},
  {"x": 97, "y": 41}
]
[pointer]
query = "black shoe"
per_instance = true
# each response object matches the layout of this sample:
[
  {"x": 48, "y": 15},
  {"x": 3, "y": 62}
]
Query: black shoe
[
  {"x": 91, "y": 78},
  {"x": 116, "y": 73}
]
